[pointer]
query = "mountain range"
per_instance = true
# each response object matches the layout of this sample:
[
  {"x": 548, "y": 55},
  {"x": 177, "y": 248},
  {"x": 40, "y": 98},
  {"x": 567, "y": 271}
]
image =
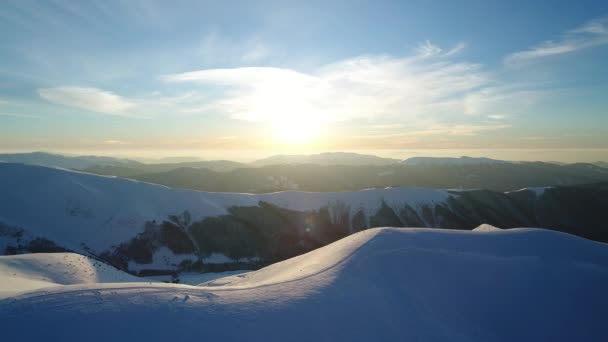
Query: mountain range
[
  {"x": 145, "y": 228},
  {"x": 331, "y": 172}
]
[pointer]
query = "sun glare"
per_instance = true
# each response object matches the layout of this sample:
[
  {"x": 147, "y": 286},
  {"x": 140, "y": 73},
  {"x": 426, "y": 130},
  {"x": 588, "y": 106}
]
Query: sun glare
[{"x": 295, "y": 132}]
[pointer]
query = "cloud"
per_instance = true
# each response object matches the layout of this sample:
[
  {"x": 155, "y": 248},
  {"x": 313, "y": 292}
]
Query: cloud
[
  {"x": 593, "y": 33},
  {"x": 442, "y": 130},
  {"x": 360, "y": 87},
  {"x": 497, "y": 116},
  {"x": 413, "y": 93},
  {"x": 427, "y": 49},
  {"x": 455, "y": 50},
  {"x": 91, "y": 99},
  {"x": 113, "y": 142}
]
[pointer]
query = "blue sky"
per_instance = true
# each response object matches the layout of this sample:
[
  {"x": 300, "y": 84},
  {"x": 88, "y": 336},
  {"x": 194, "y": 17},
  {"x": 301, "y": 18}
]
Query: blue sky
[{"x": 251, "y": 78}]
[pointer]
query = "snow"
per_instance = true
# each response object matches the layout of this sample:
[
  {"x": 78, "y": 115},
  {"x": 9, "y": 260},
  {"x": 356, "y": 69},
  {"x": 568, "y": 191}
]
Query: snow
[
  {"x": 217, "y": 258},
  {"x": 194, "y": 278},
  {"x": 28, "y": 272},
  {"x": 538, "y": 191},
  {"x": 79, "y": 210},
  {"x": 486, "y": 228},
  {"x": 385, "y": 284}
]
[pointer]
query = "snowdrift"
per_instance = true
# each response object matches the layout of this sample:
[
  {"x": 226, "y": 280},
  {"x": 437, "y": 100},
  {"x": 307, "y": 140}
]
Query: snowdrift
[
  {"x": 27, "y": 272},
  {"x": 378, "y": 285}
]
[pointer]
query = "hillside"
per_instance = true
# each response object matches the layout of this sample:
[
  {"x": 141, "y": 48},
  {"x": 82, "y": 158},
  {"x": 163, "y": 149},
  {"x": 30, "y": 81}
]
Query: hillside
[
  {"x": 150, "y": 229},
  {"x": 378, "y": 285}
]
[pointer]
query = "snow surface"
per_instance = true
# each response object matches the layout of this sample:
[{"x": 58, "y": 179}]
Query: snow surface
[
  {"x": 75, "y": 208},
  {"x": 538, "y": 191},
  {"x": 385, "y": 284},
  {"x": 27, "y": 272},
  {"x": 486, "y": 228},
  {"x": 195, "y": 278}
]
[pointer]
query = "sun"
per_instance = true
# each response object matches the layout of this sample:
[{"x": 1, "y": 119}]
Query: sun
[{"x": 296, "y": 132}]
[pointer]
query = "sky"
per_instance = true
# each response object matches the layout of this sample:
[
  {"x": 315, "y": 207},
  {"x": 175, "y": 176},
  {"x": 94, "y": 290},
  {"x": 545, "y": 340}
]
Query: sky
[{"x": 242, "y": 80}]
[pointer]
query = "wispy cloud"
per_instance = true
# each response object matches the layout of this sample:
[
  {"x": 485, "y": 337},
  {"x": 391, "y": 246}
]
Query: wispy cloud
[
  {"x": 593, "y": 33},
  {"x": 360, "y": 87},
  {"x": 114, "y": 142},
  {"x": 497, "y": 116},
  {"x": 91, "y": 99},
  {"x": 442, "y": 130},
  {"x": 428, "y": 49},
  {"x": 415, "y": 92}
]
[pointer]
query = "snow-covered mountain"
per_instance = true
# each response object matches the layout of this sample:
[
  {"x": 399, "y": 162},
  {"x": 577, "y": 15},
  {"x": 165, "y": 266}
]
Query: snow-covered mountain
[
  {"x": 377, "y": 285},
  {"x": 464, "y": 160},
  {"x": 68, "y": 162},
  {"x": 146, "y": 228}
]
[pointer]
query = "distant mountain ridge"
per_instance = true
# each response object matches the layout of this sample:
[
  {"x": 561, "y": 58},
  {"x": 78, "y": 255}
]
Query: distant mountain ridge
[
  {"x": 464, "y": 160},
  {"x": 68, "y": 162},
  {"x": 327, "y": 158},
  {"x": 310, "y": 177},
  {"x": 323, "y": 172},
  {"x": 114, "y": 166},
  {"x": 601, "y": 164}
]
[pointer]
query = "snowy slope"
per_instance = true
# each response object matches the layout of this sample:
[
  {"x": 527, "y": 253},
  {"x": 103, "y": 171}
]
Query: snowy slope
[
  {"x": 19, "y": 273},
  {"x": 377, "y": 285},
  {"x": 77, "y": 208}
]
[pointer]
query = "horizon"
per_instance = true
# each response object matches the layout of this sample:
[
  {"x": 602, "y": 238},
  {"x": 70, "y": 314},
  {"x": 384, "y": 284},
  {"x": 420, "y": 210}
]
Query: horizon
[
  {"x": 153, "y": 79},
  {"x": 561, "y": 156}
]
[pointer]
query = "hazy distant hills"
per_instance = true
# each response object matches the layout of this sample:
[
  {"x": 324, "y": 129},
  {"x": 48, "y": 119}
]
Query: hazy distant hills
[
  {"x": 68, "y": 162},
  {"x": 142, "y": 169},
  {"x": 601, "y": 164},
  {"x": 451, "y": 161},
  {"x": 331, "y": 172},
  {"x": 307, "y": 177},
  {"x": 328, "y": 158}
]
